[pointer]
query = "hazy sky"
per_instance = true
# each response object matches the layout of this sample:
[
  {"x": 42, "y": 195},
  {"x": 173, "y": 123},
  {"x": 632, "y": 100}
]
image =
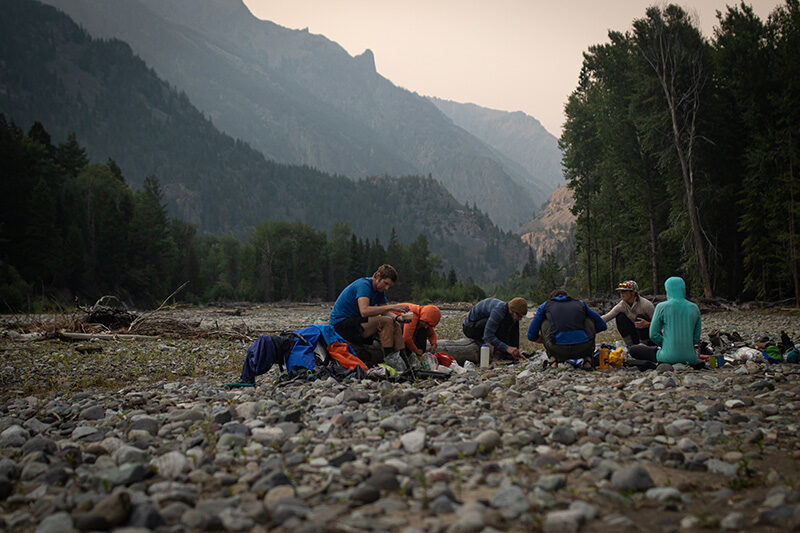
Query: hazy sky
[{"x": 504, "y": 54}]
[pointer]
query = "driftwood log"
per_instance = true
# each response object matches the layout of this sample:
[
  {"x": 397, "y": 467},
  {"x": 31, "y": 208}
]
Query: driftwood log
[
  {"x": 69, "y": 336},
  {"x": 462, "y": 350}
]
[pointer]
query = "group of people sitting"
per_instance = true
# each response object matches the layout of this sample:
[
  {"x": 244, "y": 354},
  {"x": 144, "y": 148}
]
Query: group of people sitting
[
  {"x": 567, "y": 327},
  {"x": 664, "y": 333}
]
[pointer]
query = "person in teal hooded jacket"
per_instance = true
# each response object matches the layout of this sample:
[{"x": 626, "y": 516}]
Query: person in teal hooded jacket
[{"x": 675, "y": 328}]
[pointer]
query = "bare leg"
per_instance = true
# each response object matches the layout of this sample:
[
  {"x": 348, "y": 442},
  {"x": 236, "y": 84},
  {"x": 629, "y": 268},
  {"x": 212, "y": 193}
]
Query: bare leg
[
  {"x": 385, "y": 327},
  {"x": 370, "y": 327}
]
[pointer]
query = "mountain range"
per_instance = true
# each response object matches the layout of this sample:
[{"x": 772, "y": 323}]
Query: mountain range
[
  {"x": 54, "y": 72},
  {"x": 300, "y": 98},
  {"x": 518, "y": 138}
]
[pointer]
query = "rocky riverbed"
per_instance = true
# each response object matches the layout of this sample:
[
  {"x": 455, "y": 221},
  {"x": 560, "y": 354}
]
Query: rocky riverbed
[{"x": 141, "y": 435}]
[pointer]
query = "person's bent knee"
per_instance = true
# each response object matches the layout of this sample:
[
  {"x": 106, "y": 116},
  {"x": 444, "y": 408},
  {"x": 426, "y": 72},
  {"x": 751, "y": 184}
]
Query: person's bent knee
[{"x": 390, "y": 324}]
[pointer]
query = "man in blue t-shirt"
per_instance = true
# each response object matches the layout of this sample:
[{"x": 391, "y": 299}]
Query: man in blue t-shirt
[{"x": 361, "y": 311}]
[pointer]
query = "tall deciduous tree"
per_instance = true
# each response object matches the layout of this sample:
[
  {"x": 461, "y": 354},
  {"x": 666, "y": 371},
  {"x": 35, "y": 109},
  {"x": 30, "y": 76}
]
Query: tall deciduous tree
[{"x": 677, "y": 55}]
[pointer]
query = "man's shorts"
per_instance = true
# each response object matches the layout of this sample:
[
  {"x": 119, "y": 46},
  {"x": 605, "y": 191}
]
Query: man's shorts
[{"x": 351, "y": 330}]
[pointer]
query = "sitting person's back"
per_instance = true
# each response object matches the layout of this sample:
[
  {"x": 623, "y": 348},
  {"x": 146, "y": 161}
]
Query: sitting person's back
[
  {"x": 675, "y": 328},
  {"x": 679, "y": 319},
  {"x": 567, "y": 328}
]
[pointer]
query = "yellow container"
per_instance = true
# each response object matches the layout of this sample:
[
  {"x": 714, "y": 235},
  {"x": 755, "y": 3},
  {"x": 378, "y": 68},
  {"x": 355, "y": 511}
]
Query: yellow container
[{"x": 602, "y": 359}]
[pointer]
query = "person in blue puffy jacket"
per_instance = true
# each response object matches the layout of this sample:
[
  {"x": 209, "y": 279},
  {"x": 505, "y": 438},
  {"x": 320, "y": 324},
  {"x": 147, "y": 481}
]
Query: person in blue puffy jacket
[{"x": 567, "y": 328}]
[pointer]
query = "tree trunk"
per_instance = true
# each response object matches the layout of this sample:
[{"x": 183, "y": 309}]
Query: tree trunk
[
  {"x": 792, "y": 234},
  {"x": 612, "y": 274},
  {"x": 688, "y": 183},
  {"x": 667, "y": 56},
  {"x": 588, "y": 248},
  {"x": 653, "y": 244}
]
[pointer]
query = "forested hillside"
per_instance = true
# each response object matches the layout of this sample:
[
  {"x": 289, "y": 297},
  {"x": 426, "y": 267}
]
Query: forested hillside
[
  {"x": 682, "y": 154},
  {"x": 74, "y": 229},
  {"x": 52, "y": 72},
  {"x": 300, "y": 98}
]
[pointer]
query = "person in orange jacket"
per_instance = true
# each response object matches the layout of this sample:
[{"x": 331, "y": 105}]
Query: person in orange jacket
[{"x": 418, "y": 326}]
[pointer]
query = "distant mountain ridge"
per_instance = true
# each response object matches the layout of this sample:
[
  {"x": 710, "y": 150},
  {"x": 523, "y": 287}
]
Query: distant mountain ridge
[
  {"x": 53, "y": 72},
  {"x": 300, "y": 98},
  {"x": 516, "y": 136}
]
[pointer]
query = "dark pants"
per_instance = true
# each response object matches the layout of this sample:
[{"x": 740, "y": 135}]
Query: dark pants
[
  {"x": 630, "y": 332},
  {"x": 650, "y": 353},
  {"x": 420, "y": 338},
  {"x": 562, "y": 352},
  {"x": 646, "y": 353},
  {"x": 507, "y": 331},
  {"x": 352, "y": 331}
]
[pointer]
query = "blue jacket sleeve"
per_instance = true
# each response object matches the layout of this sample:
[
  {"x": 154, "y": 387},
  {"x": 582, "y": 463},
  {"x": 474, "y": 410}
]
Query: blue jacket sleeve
[
  {"x": 536, "y": 324},
  {"x": 599, "y": 323},
  {"x": 490, "y": 331}
]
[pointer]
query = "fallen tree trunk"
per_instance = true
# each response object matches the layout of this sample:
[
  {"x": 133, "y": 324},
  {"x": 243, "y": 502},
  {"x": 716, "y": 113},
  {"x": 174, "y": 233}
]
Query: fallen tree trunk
[
  {"x": 25, "y": 337},
  {"x": 66, "y": 335},
  {"x": 462, "y": 350}
]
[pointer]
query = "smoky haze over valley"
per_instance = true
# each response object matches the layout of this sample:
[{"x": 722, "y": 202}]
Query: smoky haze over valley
[
  {"x": 300, "y": 98},
  {"x": 512, "y": 55}
]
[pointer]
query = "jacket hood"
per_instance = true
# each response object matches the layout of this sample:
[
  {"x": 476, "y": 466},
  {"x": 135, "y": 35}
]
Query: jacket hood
[
  {"x": 676, "y": 288},
  {"x": 430, "y": 314}
]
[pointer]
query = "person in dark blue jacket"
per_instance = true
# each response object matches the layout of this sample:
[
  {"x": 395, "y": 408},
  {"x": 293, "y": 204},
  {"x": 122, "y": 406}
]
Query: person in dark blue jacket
[
  {"x": 496, "y": 322},
  {"x": 566, "y": 327}
]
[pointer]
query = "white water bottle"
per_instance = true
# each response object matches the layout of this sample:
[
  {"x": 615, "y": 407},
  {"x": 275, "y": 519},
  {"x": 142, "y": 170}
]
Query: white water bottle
[{"x": 485, "y": 350}]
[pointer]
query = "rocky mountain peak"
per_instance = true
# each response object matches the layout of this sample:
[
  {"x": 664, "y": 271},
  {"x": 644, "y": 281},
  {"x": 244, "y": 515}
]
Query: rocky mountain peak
[{"x": 366, "y": 60}]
